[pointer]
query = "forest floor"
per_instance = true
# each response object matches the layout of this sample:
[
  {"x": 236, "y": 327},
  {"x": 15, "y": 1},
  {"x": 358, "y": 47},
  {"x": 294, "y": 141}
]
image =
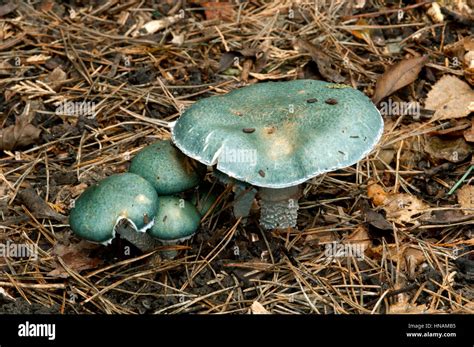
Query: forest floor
[{"x": 133, "y": 66}]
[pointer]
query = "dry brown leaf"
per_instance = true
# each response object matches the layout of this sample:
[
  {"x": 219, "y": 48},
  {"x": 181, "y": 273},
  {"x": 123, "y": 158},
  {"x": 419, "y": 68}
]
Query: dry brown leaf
[
  {"x": 412, "y": 258},
  {"x": 56, "y": 78},
  {"x": 256, "y": 55},
  {"x": 384, "y": 157},
  {"x": 360, "y": 236},
  {"x": 398, "y": 76},
  {"x": 38, "y": 207},
  {"x": 46, "y": 5},
  {"x": 218, "y": 10},
  {"x": 407, "y": 308},
  {"x": 19, "y": 135},
  {"x": 411, "y": 152},
  {"x": 468, "y": 64},
  {"x": 469, "y": 133},
  {"x": 465, "y": 197},
  {"x": 441, "y": 149},
  {"x": 6, "y": 68},
  {"x": 362, "y": 34},
  {"x": 75, "y": 257},
  {"x": 38, "y": 59},
  {"x": 404, "y": 306},
  {"x": 376, "y": 219},
  {"x": 409, "y": 256},
  {"x": 463, "y": 51},
  {"x": 322, "y": 237},
  {"x": 399, "y": 207},
  {"x": 403, "y": 207},
  {"x": 78, "y": 189},
  {"x": 450, "y": 98},
  {"x": 257, "y": 308},
  {"x": 321, "y": 59},
  {"x": 7, "y": 8}
]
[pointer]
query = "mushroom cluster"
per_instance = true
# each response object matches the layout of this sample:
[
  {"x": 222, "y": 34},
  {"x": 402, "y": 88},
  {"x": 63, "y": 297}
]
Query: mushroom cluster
[
  {"x": 265, "y": 139},
  {"x": 141, "y": 205}
]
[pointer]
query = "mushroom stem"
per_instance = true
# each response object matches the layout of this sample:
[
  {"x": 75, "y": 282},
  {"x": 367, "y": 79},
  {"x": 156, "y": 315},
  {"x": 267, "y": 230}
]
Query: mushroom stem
[{"x": 279, "y": 207}]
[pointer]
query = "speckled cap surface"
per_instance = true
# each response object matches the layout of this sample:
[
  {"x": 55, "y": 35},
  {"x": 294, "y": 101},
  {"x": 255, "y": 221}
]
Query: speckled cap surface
[
  {"x": 175, "y": 219},
  {"x": 280, "y": 134},
  {"x": 166, "y": 168},
  {"x": 101, "y": 206}
]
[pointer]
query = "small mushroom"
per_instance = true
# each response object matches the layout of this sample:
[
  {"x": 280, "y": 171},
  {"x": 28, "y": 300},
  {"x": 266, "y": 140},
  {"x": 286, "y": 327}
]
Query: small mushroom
[
  {"x": 102, "y": 207},
  {"x": 306, "y": 138},
  {"x": 166, "y": 168},
  {"x": 176, "y": 220}
]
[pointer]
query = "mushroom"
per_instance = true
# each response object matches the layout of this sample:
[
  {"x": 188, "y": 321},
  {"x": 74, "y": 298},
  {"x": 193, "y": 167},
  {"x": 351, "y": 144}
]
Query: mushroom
[
  {"x": 166, "y": 168},
  {"x": 102, "y": 206},
  {"x": 176, "y": 220},
  {"x": 277, "y": 135}
]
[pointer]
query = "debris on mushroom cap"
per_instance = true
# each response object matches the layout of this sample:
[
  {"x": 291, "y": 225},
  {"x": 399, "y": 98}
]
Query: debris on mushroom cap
[
  {"x": 101, "y": 207},
  {"x": 175, "y": 220},
  {"x": 293, "y": 141},
  {"x": 166, "y": 168}
]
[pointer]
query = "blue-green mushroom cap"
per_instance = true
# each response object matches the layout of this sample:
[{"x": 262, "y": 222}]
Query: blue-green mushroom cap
[
  {"x": 166, "y": 168},
  {"x": 280, "y": 134},
  {"x": 98, "y": 210},
  {"x": 175, "y": 220}
]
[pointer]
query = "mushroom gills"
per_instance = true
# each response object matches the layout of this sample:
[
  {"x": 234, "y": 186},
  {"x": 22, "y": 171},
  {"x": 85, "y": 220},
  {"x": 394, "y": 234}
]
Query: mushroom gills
[{"x": 279, "y": 207}]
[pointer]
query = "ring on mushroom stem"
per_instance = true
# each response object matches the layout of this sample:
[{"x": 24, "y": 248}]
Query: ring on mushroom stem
[{"x": 306, "y": 140}]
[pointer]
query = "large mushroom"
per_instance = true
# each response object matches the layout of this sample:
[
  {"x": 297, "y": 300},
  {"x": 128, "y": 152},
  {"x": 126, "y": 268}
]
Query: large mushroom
[{"x": 277, "y": 135}]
